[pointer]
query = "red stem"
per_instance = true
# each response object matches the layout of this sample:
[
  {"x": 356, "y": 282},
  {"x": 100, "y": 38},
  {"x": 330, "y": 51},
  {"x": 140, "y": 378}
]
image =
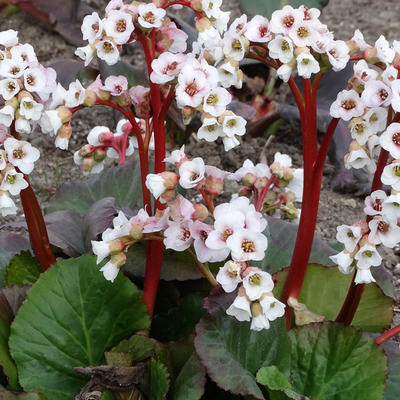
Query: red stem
[
  {"x": 37, "y": 227},
  {"x": 387, "y": 335},
  {"x": 298, "y": 98},
  {"x": 353, "y": 298}
]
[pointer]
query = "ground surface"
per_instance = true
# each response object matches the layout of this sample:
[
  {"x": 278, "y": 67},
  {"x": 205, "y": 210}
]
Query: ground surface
[{"x": 343, "y": 17}]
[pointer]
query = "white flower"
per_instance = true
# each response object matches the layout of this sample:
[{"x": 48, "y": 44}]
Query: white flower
[
  {"x": 155, "y": 183},
  {"x": 211, "y": 130},
  {"x": 34, "y": 79},
  {"x": 376, "y": 94},
  {"x": 281, "y": 48},
  {"x": 216, "y": 100},
  {"x": 9, "y": 88},
  {"x": 107, "y": 51},
  {"x": 363, "y": 72},
  {"x": 390, "y": 139},
  {"x": 177, "y": 156},
  {"x": 101, "y": 249},
  {"x": 258, "y": 30},
  {"x": 166, "y": 67},
  {"x": 122, "y": 227},
  {"x": 30, "y": 109},
  {"x": 363, "y": 276},
  {"x": 391, "y": 207},
  {"x": 307, "y": 65},
  {"x": 284, "y": 72},
  {"x": 192, "y": 87},
  {"x": 229, "y": 276},
  {"x": 115, "y": 84},
  {"x": 259, "y": 322},
  {"x": 119, "y": 26},
  {"x": 347, "y": 105},
  {"x": 256, "y": 283},
  {"x": 220, "y": 20},
  {"x": 21, "y": 154},
  {"x": 302, "y": 33},
  {"x": 229, "y": 74},
  {"x": 233, "y": 125},
  {"x": 92, "y": 27},
  {"x": 12, "y": 68},
  {"x": 373, "y": 203},
  {"x": 359, "y": 159},
  {"x": 384, "y": 231},
  {"x": 282, "y": 21},
  {"x": 358, "y": 38},
  {"x": 191, "y": 173},
  {"x": 360, "y": 130},
  {"x": 349, "y": 236},
  {"x": 385, "y": 52},
  {"x": 389, "y": 75},
  {"x": 50, "y": 122},
  {"x": 94, "y": 136},
  {"x": 24, "y": 51},
  {"x": 338, "y": 54},
  {"x": 211, "y": 7},
  {"x": 23, "y": 126},
  {"x": 343, "y": 261},
  {"x": 110, "y": 271},
  {"x": 391, "y": 175},
  {"x": 368, "y": 256},
  {"x": 8, "y": 38},
  {"x": 150, "y": 16},
  {"x": 85, "y": 53},
  {"x": 177, "y": 236},
  {"x": 238, "y": 26},
  {"x": 377, "y": 119},
  {"x": 13, "y": 182},
  {"x": 6, "y": 115},
  {"x": 75, "y": 94},
  {"x": 240, "y": 309},
  {"x": 247, "y": 245},
  {"x": 234, "y": 47},
  {"x": 272, "y": 308},
  {"x": 7, "y": 205}
]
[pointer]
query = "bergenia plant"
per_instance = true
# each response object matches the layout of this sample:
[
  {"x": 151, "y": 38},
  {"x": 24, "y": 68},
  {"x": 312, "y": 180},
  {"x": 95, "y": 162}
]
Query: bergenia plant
[{"x": 217, "y": 315}]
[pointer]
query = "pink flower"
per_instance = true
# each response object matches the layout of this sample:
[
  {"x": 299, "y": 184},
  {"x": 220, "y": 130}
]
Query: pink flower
[
  {"x": 247, "y": 245},
  {"x": 178, "y": 235}
]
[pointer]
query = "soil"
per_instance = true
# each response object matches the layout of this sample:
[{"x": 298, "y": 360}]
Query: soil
[{"x": 56, "y": 166}]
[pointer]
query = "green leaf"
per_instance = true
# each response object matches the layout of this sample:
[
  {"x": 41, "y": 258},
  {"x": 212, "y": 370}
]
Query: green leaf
[
  {"x": 133, "y": 350},
  {"x": 72, "y": 315},
  {"x": 392, "y": 351},
  {"x": 276, "y": 381},
  {"x": 22, "y": 270},
  {"x": 6, "y": 317},
  {"x": 177, "y": 266},
  {"x": 21, "y": 396},
  {"x": 180, "y": 320},
  {"x": 332, "y": 361},
  {"x": 159, "y": 380},
  {"x": 232, "y": 353},
  {"x": 281, "y": 239},
  {"x": 266, "y": 8},
  {"x": 121, "y": 182},
  {"x": 189, "y": 384},
  {"x": 324, "y": 291}
]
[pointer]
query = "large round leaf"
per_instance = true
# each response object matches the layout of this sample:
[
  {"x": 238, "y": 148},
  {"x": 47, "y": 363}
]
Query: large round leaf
[
  {"x": 332, "y": 361},
  {"x": 232, "y": 353},
  {"x": 324, "y": 290},
  {"x": 72, "y": 315}
]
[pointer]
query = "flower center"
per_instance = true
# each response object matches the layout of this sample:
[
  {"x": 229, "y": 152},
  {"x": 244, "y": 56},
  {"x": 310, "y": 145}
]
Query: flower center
[
  {"x": 302, "y": 32},
  {"x": 118, "y": 88},
  {"x": 11, "y": 86},
  {"x": 377, "y": 206},
  {"x": 226, "y": 233},
  {"x": 18, "y": 153},
  {"x": 30, "y": 79},
  {"x": 255, "y": 279},
  {"x": 185, "y": 234},
  {"x": 396, "y": 138},
  {"x": 194, "y": 176},
  {"x": 396, "y": 170},
  {"x": 28, "y": 105},
  {"x": 288, "y": 21},
  {"x": 373, "y": 118},
  {"x": 11, "y": 178},
  {"x": 107, "y": 47},
  {"x": 383, "y": 226},
  {"x": 305, "y": 61},
  {"x": 95, "y": 27},
  {"x": 172, "y": 66},
  {"x": 383, "y": 94},
  {"x": 191, "y": 89},
  {"x": 212, "y": 99},
  {"x": 248, "y": 246},
  {"x": 368, "y": 253},
  {"x": 348, "y": 104},
  {"x": 14, "y": 70},
  {"x": 203, "y": 235},
  {"x": 236, "y": 45},
  {"x": 149, "y": 17},
  {"x": 285, "y": 45},
  {"x": 121, "y": 26},
  {"x": 231, "y": 123},
  {"x": 211, "y": 128},
  {"x": 263, "y": 30},
  {"x": 350, "y": 234}
]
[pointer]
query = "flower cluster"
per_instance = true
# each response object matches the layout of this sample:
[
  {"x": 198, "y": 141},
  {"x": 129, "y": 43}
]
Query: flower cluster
[
  {"x": 25, "y": 86},
  {"x": 360, "y": 239},
  {"x": 254, "y": 300}
]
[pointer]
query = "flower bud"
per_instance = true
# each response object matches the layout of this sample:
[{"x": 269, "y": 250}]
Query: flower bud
[
  {"x": 200, "y": 212},
  {"x": 136, "y": 232},
  {"x": 87, "y": 164},
  {"x": 118, "y": 259},
  {"x": 65, "y": 131},
  {"x": 99, "y": 155},
  {"x": 115, "y": 246},
  {"x": 85, "y": 151},
  {"x": 202, "y": 24},
  {"x": 249, "y": 179},
  {"x": 167, "y": 196},
  {"x": 170, "y": 179},
  {"x": 103, "y": 95},
  {"x": 245, "y": 191},
  {"x": 123, "y": 100},
  {"x": 260, "y": 182},
  {"x": 22, "y": 94},
  {"x": 90, "y": 98},
  {"x": 64, "y": 113},
  {"x": 371, "y": 55},
  {"x": 214, "y": 185}
]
